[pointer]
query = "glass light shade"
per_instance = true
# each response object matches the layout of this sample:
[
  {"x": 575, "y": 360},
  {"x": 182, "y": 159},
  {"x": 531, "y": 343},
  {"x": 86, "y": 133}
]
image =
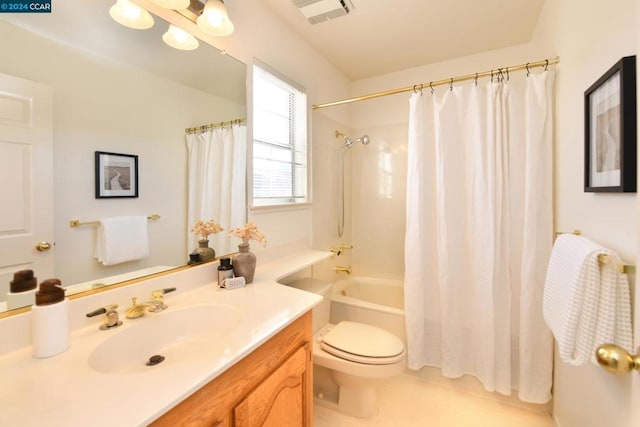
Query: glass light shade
[
  {"x": 172, "y": 4},
  {"x": 214, "y": 19},
  {"x": 131, "y": 15},
  {"x": 179, "y": 39}
]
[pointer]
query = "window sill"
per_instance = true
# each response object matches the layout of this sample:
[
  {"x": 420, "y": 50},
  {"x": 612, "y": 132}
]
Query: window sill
[{"x": 280, "y": 208}]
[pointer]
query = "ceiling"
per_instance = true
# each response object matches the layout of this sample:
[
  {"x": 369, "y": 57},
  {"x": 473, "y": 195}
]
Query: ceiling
[{"x": 383, "y": 36}]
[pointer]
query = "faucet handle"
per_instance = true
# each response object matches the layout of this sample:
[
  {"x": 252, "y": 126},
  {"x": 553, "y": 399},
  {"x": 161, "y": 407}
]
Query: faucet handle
[
  {"x": 111, "y": 318},
  {"x": 158, "y": 299},
  {"x": 159, "y": 293}
]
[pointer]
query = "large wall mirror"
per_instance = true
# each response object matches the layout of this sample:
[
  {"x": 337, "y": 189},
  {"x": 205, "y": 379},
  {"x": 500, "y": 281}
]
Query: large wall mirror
[{"x": 118, "y": 90}]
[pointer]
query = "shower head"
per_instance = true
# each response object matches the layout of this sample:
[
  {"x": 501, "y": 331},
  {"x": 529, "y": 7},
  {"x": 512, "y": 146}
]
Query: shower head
[{"x": 364, "y": 139}]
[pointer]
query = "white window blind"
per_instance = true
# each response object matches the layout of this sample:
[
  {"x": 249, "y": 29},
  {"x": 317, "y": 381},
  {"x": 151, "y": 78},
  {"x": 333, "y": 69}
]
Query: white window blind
[{"x": 279, "y": 141}]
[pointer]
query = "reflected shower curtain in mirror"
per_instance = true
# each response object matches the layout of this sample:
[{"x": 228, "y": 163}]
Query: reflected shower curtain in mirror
[
  {"x": 217, "y": 183},
  {"x": 479, "y": 233}
]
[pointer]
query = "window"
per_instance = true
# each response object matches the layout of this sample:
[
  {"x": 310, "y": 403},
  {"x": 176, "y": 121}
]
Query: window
[{"x": 279, "y": 140}]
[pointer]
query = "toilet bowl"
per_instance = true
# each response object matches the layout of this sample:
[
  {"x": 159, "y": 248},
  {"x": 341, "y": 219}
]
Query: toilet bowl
[{"x": 357, "y": 355}]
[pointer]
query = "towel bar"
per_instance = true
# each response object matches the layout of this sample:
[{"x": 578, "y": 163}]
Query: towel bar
[
  {"x": 622, "y": 268},
  {"x": 602, "y": 258},
  {"x": 77, "y": 223}
]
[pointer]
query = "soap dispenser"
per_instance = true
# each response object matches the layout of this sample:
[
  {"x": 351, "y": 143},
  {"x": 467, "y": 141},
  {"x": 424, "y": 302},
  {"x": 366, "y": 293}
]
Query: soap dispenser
[
  {"x": 50, "y": 320},
  {"x": 22, "y": 289}
]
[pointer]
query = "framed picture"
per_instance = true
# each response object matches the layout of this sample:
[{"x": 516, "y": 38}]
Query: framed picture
[
  {"x": 610, "y": 130},
  {"x": 116, "y": 175}
]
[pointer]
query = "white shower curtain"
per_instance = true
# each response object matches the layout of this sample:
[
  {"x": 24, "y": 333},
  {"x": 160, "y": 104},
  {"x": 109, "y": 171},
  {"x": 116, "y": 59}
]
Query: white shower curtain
[
  {"x": 479, "y": 233},
  {"x": 217, "y": 182}
]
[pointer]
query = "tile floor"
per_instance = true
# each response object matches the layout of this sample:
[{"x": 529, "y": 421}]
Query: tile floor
[{"x": 407, "y": 401}]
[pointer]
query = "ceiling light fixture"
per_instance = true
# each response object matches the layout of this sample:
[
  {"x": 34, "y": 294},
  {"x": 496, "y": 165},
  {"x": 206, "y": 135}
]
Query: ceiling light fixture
[
  {"x": 172, "y": 4},
  {"x": 131, "y": 15},
  {"x": 214, "y": 19},
  {"x": 179, "y": 39}
]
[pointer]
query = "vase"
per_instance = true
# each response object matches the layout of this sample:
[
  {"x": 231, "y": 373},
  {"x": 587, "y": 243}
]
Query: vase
[
  {"x": 206, "y": 253},
  {"x": 244, "y": 264}
]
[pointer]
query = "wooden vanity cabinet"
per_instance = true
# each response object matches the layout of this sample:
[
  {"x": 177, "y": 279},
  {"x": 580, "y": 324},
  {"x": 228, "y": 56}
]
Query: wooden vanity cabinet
[{"x": 272, "y": 386}]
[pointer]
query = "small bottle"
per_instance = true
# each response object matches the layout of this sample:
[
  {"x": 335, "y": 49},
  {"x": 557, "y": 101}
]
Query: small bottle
[
  {"x": 50, "y": 320},
  {"x": 225, "y": 270}
]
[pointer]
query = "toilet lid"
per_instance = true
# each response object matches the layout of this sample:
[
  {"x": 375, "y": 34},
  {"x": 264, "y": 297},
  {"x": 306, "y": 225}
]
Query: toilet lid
[{"x": 363, "y": 344}]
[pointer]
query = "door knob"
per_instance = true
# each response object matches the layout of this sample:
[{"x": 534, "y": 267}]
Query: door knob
[
  {"x": 43, "y": 246},
  {"x": 617, "y": 360}
]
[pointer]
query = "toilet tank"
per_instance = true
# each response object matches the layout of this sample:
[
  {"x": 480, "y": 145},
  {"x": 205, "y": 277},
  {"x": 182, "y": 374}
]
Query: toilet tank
[{"x": 320, "y": 312}]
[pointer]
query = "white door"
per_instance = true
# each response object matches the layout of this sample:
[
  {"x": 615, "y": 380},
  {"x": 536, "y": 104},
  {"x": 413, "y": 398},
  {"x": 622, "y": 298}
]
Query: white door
[{"x": 26, "y": 179}]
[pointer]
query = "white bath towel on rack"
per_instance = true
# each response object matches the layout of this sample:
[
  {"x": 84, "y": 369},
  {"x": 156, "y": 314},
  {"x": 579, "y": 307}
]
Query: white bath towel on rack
[
  {"x": 585, "y": 303},
  {"x": 122, "y": 239}
]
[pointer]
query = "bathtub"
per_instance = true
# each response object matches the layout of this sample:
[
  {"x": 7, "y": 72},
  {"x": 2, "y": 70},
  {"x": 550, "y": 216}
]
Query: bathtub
[{"x": 377, "y": 302}]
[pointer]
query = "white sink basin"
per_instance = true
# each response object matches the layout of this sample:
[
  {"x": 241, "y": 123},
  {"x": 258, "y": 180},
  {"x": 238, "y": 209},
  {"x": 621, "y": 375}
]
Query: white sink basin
[{"x": 173, "y": 334}]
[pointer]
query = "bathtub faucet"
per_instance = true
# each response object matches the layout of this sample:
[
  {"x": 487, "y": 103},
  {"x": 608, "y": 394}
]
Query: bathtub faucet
[
  {"x": 338, "y": 249},
  {"x": 342, "y": 269}
]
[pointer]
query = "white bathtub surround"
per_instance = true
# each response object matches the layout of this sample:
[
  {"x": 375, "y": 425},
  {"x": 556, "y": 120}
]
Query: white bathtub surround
[
  {"x": 479, "y": 232},
  {"x": 65, "y": 390}
]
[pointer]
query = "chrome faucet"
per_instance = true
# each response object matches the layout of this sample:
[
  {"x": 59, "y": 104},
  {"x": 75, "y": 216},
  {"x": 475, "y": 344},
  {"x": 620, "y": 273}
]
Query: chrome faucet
[
  {"x": 111, "y": 318},
  {"x": 156, "y": 305}
]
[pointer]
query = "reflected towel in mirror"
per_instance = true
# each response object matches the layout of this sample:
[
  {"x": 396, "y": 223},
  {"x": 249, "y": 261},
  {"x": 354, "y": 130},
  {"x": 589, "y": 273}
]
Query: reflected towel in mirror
[{"x": 121, "y": 239}]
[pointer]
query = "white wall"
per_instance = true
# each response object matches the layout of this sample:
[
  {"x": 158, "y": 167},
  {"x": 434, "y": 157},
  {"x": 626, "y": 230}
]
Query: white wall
[
  {"x": 589, "y": 40},
  {"x": 101, "y": 105}
]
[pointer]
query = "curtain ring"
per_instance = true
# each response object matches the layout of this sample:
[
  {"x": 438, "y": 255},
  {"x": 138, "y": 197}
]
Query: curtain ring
[
  {"x": 451, "y": 84},
  {"x": 414, "y": 89},
  {"x": 421, "y": 87},
  {"x": 507, "y": 73},
  {"x": 475, "y": 81},
  {"x": 431, "y": 86},
  {"x": 546, "y": 64},
  {"x": 491, "y": 76},
  {"x": 528, "y": 70}
]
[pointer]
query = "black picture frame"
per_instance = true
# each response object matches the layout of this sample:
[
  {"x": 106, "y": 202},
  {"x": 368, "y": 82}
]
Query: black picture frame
[
  {"x": 610, "y": 130},
  {"x": 116, "y": 170}
]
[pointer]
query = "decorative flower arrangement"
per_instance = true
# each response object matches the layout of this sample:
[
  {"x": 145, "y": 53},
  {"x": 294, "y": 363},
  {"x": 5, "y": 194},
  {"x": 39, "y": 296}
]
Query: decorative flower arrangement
[
  {"x": 249, "y": 232},
  {"x": 203, "y": 229}
]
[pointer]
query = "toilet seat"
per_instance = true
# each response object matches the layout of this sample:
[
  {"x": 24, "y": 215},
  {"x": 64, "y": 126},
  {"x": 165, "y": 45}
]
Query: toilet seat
[{"x": 361, "y": 343}]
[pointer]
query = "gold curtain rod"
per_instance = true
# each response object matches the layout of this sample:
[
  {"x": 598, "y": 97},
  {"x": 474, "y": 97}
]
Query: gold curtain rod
[
  {"x": 205, "y": 128},
  {"x": 603, "y": 258},
  {"x": 430, "y": 85},
  {"x": 77, "y": 223}
]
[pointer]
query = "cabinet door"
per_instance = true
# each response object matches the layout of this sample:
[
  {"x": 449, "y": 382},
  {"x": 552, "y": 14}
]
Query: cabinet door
[{"x": 279, "y": 401}]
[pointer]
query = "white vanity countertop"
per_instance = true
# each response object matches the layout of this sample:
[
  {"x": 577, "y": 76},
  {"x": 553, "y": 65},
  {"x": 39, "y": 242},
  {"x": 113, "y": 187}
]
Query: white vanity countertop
[{"x": 64, "y": 390}]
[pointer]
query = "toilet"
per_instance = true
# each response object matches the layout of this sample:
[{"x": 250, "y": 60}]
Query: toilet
[{"x": 357, "y": 355}]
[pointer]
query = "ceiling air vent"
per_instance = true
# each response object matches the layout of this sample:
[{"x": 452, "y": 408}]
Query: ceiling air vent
[{"x": 323, "y": 10}]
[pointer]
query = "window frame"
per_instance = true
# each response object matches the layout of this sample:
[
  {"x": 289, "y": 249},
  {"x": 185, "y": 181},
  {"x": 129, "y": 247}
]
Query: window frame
[{"x": 281, "y": 204}]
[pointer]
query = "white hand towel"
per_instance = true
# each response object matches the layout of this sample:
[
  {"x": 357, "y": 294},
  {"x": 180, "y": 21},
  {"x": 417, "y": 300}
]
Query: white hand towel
[
  {"x": 585, "y": 304},
  {"x": 121, "y": 239}
]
